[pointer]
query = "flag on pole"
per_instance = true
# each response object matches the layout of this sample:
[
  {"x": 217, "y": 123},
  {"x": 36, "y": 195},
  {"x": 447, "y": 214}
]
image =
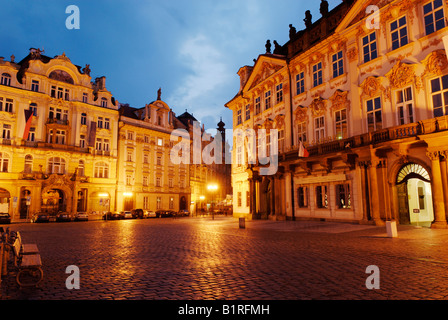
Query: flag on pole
[
  {"x": 28, "y": 119},
  {"x": 302, "y": 151}
]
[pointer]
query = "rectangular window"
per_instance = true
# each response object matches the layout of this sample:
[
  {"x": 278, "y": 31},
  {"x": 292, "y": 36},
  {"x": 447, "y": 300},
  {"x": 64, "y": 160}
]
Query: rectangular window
[
  {"x": 247, "y": 112},
  {"x": 130, "y": 155},
  {"x": 302, "y": 197},
  {"x": 281, "y": 139},
  {"x": 82, "y": 141},
  {"x": 257, "y": 105},
  {"x": 239, "y": 119},
  {"x": 8, "y": 105},
  {"x": 146, "y": 139},
  {"x": 130, "y": 135},
  {"x": 374, "y": 115},
  {"x": 343, "y": 197},
  {"x": 83, "y": 119},
  {"x": 240, "y": 200},
  {"x": 6, "y": 134},
  {"x": 146, "y": 202},
  {"x": 145, "y": 181},
  {"x": 60, "y": 137},
  {"x": 99, "y": 144},
  {"x": 159, "y": 203},
  {"x": 159, "y": 160},
  {"x": 317, "y": 74},
  {"x": 170, "y": 183},
  {"x": 433, "y": 16},
  {"x": 279, "y": 92},
  {"x": 158, "y": 182},
  {"x": 160, "y": 142},
  {"x": 267, "y": 100},
  {"x": 145, "y": 158},
  {"x": 321, "y": 197},
  {"x": 33, "y": 107},
  {"x": 106, "y": 123},
  {"x": 53, "y": 91},
  {"x": 106, "y": 145},
  {"x": 84, "y": 97},
  {"x": 100, "y": 123},
  {"x": 60, "y": 93},
  {"x": 67, "y": 95},
  {"x": 405, "y": 106},
  {"x": 171, "y": 205},
  {"x": 399, "y": 33},
  {"x": 338, "y": 64},
  {"x": 439, "y": 93},
  {"x": 128, "y": 179},
  {"x": 35, "y": 85},
  {"x": 300, "y": 82},
  {"x": 369, "y": 47},
  {"x": 32, "y": 134},
  {"x": 301, "y": 132},
  {"x": 341, "y": 124},
  {"x": 319, "y": 128}
]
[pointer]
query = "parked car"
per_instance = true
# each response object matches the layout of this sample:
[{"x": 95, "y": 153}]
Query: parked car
[
  {"x": 166, "y": 213},
  {"x": 126, "y": 214},
  {"x": 150, "y": 214},
  {"x": 137, "y": 213},
  {"x": 5, "y": 218},
  {"x": 183, "y": 213},
  {"x": 112, "y": 216},
  {"x": 40, "y": 217},
  {"x": 81, "y": 216},
  {"x": 63, "y": 217}
]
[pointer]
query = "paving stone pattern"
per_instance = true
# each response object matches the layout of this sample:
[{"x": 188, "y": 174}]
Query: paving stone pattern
[{"x": 195, "y": 258}]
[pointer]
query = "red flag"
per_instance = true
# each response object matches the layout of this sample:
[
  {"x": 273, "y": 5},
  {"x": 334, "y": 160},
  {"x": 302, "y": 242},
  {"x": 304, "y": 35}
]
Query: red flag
[
  {"x": 302, "y": 151},
  {"x": 28, "y": 119}
]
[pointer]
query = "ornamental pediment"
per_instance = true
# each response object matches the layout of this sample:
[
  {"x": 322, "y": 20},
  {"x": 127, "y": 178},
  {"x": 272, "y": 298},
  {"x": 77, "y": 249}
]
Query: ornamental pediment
[{"x": 263, "y": 72}]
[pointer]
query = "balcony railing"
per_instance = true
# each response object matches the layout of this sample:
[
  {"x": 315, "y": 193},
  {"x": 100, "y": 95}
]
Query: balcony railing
[
  {"x": 57, "y": 121},
  {"x": 377, "y": 137}
]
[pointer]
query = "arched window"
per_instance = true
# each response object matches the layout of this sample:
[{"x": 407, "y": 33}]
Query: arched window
[
  {"x": 28, "y": 164},
  {"x": 412, "y": 170},
  {"x": 4, "y": 162},
  {"x": 56, "y": 165},
  {"x": 6, "y": 79},
  {"x": 81, "y": 168},
  {"x": 101, "y": 170}
]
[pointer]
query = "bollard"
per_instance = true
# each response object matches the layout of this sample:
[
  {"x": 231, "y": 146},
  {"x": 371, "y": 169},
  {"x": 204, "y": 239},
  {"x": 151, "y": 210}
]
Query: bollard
[
  {"x": 391, "y": 228},
  {"x": 242, "y": 223}
]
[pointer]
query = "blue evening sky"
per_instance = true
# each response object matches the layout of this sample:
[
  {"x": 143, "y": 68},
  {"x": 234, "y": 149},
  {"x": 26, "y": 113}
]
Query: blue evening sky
[{"x": 192, "y": 49}]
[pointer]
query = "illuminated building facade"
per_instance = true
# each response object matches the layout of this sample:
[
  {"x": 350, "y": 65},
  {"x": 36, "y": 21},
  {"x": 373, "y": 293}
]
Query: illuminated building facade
[
  {"x": 364, "y": 89},
  {"x": 52, "y": 116}
]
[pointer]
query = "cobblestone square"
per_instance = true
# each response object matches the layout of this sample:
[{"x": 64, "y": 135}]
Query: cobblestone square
[{"x": 200, "y": 258}]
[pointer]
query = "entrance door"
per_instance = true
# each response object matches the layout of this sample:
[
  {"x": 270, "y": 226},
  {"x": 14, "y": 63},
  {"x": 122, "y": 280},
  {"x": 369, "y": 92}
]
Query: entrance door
[
  {"x": 403, "y": 207},
  {"x": 53, "y": 201}
]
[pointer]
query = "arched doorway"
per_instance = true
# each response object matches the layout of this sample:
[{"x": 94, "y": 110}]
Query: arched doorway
[
  {"x": 183, "y": 203},
  {"x": 24, "y": 204},
  {"x": 53, "y": 201},
  {"x": 414, "y": 195}
]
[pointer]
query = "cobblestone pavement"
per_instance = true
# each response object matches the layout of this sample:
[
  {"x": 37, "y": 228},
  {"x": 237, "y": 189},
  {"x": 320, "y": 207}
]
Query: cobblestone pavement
[{"x": 201, "y": 259}]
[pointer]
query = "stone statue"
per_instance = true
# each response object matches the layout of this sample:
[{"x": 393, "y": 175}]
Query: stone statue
[
  {"x": 277, "y": 48},
  {"x": 292, "y": 31},
  {"x": 324, "y": 8},
  {"x": 308, "y": 19},
  {"x": 268, "y": 46},
  {"x": 86, "y": 69},
  {"x": 159, "y": 94}
]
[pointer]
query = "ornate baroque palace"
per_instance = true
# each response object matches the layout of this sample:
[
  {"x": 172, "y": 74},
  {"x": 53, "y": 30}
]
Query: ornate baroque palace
[
  {"x": 359, "y": 99},
  {"x": 66, "y": 144}
]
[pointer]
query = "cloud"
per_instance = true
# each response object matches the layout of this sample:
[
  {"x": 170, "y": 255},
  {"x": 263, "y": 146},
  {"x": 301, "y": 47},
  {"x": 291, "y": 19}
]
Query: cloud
[{"x": 208, "y": 72}]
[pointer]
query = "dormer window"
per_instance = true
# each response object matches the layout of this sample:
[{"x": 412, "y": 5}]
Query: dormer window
[
  {"x": 6, "y": 79},
  {"x": 104, "y": 102}
]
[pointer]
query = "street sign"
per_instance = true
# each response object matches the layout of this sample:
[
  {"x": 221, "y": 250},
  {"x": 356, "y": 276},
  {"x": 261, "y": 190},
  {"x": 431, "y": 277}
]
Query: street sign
[{"x": 416, "y": 210}]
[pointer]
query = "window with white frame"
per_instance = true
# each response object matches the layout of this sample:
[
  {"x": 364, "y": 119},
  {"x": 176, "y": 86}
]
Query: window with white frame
[
  {"x": 99, "y": 124},
  {"x": 238, "y": 117},
  {"x": 281, "y": 139},
  {"x": 81, "y": 168},
  {"x": 101, "y": 170},
  {"x": 82, "y": 141},
  {"x": 6, "y": 132},
  {"x": 341, "y": 123},
  {"x": 145, "y": 202},
  {"x": 319, "y": 128},
  {"x": 130, "y": 155},
  {"x": 279, "y": 92},
  {"x": 28, "y": 168},
  {"x": 405, "y": 106},
  {"x": 247, "y": 112},
  {"x": 433, "y": 16},
  {"x": 257, "y": 105},
  {"x": 33, "y": 108},
  {"x": 145, "y": 181},
  {"x": 104, "y": 102},
  {"x": 130, "y": 135},
  {"x": 369, "y": 47},
  {"x": 35, "y": 85},
  {"x": 301, "y": 132},
  {"x": 158, "y": 182},
  {"x": 338, "y": 64},
  {"x": 60, "y": 137},
  {"x": 300, "y": 83},
  {"x": 56, "y": 165},
  {"x": 32, "y": 134},
  {"x": 83, "y": 119},
  {"x": 85, "y": 97},
  {"x": 129, "y": 179},
  {"x": 267, "y": 99},
  {"x": 439, "y": 94},
  {"x": 4, "y": 162},
  {"x": 107, "y": 123},
  {"x": 374, "y": 114},
  {"x": 399, "y": 33},
  {"x": 317, "y": 74},
  {"x": 7, "y": 105},
  {"x": 6, "y": 79}
]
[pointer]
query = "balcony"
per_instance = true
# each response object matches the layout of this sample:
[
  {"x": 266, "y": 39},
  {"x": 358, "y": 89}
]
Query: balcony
[{"x": 57, "y": 121}]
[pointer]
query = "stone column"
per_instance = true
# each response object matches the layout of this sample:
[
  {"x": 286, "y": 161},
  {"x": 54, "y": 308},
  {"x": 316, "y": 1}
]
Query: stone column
[
  {"x": 444, "y": 172},
  {"x": 374, "y": 195},
  {"x": 437, "y": 191}
]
